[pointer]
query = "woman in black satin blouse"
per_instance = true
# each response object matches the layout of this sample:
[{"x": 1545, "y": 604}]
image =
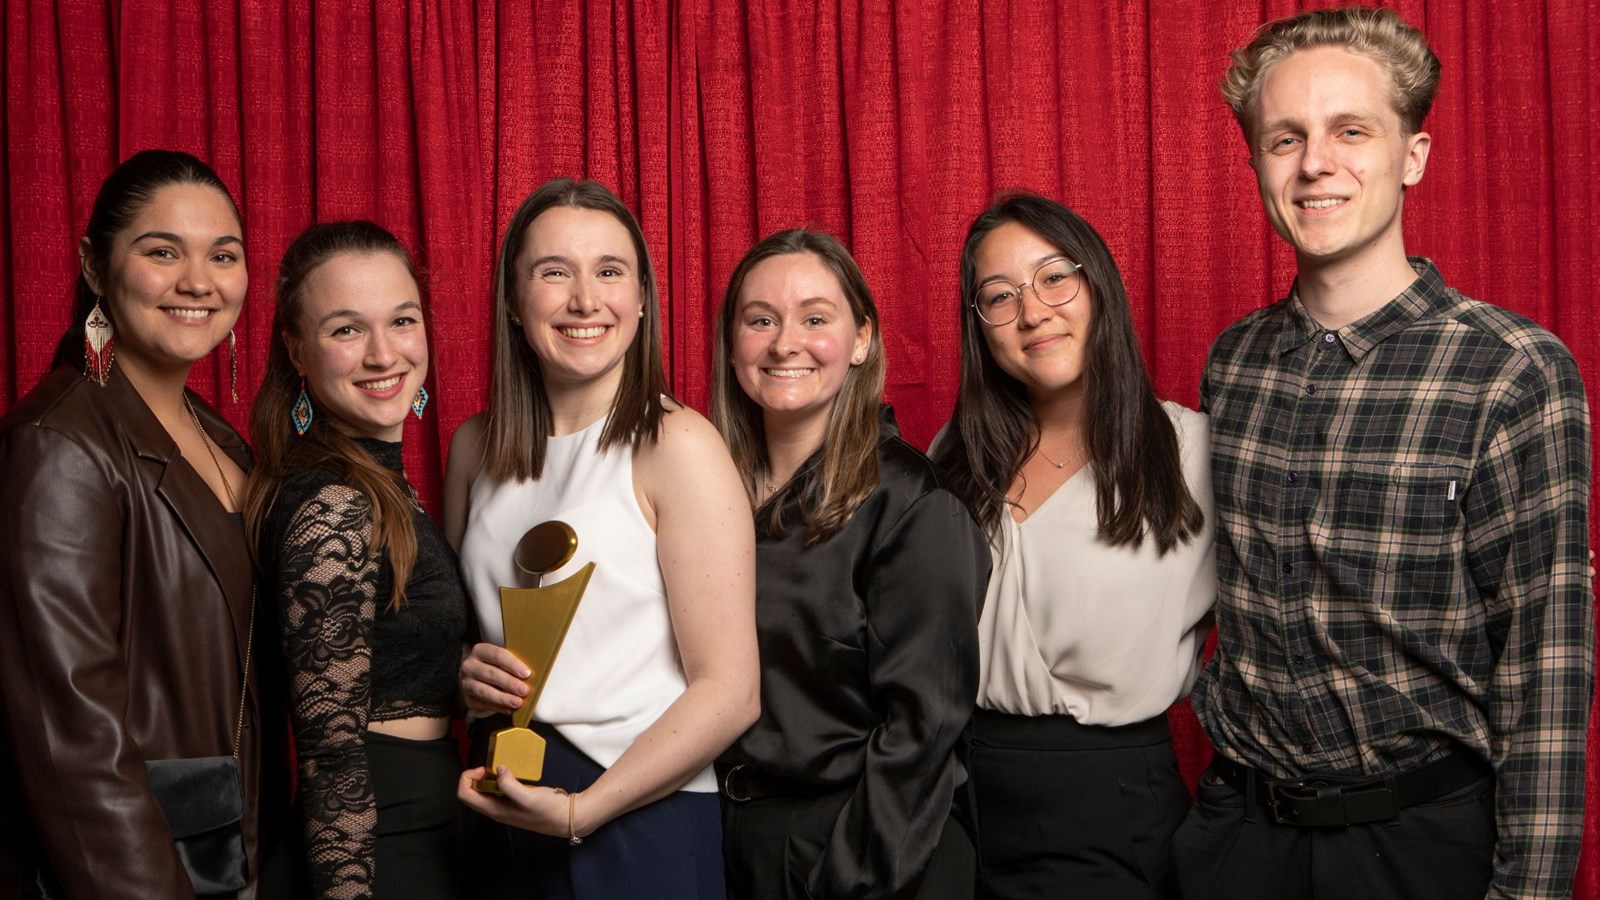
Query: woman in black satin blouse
[{"x": 869, "y": 577}]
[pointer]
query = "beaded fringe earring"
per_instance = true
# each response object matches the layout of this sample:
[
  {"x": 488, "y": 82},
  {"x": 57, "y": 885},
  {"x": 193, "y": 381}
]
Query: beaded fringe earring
[
  {"x": 419, "y": 402},
  {"x": 233, "y": 366},
  {"x": 99, "y": 354},
  {"x": 301, "y": 413}
]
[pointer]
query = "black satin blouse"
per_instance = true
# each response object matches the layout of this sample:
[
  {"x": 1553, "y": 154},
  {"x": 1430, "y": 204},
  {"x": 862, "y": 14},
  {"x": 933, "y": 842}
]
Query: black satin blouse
[{"x": 869, "y": 668}]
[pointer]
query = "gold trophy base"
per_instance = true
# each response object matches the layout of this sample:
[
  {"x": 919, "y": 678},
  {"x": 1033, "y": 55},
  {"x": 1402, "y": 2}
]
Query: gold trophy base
[{"x": 520, "y": 750}]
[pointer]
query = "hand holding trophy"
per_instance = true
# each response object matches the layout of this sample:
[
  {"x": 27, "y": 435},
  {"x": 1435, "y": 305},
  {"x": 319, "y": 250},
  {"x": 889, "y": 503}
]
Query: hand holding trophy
[{"x": 536, "y": 621}]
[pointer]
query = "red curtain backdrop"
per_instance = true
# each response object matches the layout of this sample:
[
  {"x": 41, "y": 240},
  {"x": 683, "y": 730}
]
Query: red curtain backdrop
[{"x": 718, "y": 121}]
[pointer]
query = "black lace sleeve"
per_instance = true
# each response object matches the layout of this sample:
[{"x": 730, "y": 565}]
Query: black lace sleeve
[{"x": 327, "y": 596}]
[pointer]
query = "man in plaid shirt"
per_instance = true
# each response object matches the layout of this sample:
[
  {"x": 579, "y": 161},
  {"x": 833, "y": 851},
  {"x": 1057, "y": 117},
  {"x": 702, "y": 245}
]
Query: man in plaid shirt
[{"x": 1400, "y": 692}]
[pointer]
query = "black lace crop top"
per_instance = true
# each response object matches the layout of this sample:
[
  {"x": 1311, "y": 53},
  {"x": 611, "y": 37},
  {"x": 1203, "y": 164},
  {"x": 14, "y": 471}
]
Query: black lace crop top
[{"x": 351, "y": 659}]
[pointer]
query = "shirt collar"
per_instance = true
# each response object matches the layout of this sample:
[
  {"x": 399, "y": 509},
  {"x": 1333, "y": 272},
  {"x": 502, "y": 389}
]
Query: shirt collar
[{"x": 1424, "y": 296}]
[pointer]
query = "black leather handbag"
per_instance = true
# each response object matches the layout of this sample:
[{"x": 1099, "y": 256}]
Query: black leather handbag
[{"x": 203, "y": 800}]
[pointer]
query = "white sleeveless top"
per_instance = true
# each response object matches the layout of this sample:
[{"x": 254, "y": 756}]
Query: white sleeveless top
[{"x": 618, "y": 669}]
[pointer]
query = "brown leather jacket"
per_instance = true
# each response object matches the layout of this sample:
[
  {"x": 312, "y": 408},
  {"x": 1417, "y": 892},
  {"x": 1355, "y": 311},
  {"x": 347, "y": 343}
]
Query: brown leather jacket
[{"x": 124, "y": 612}]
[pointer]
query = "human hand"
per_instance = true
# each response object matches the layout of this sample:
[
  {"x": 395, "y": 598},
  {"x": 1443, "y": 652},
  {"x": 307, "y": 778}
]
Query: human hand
[
  {"x": 544, "y": 810},
  {"x": 492, "y": 679}
]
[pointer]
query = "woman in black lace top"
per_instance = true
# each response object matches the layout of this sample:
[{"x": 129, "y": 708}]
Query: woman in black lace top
[{"x": 363, "y": 587}]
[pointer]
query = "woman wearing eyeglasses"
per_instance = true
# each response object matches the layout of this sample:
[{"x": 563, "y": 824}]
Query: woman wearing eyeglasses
[{"x": 1096, "y": 498}]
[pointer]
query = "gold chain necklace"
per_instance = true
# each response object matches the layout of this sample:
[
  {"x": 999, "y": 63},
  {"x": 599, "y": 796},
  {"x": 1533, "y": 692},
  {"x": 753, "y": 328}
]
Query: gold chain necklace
[
  {"x": 211, "y": 449},
  {"x": 1060, "y": 465}
]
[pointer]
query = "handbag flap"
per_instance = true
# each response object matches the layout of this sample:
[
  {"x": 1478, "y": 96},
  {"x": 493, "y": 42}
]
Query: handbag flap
[{"x": 197, "y": 795}]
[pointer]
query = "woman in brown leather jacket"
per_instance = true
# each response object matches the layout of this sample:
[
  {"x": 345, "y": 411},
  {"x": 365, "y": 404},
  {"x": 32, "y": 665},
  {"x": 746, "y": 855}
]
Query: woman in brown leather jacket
[{"x": 125, "y": 584}]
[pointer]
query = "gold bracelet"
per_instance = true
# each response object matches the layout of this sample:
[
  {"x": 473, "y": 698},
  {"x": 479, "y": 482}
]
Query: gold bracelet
[{"x": 572, "y": 833}]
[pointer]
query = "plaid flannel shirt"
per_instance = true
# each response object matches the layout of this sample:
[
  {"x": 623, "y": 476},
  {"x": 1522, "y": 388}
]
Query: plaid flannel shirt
[{"x": 1402, "y": 536}]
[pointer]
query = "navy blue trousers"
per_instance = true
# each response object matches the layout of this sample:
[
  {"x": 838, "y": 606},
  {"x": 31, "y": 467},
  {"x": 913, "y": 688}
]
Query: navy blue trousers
[{"x": 668, "y": 850}]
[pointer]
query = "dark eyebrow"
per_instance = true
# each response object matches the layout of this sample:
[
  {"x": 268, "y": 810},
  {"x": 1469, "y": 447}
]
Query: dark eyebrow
[
  {"x": 352, "y": 314},
  {"x": 173, "y": 238},
  {"x": 556, "y": 258},
  {"x": 1037, "y": 265},
  {"x": 339, "y": 314}
]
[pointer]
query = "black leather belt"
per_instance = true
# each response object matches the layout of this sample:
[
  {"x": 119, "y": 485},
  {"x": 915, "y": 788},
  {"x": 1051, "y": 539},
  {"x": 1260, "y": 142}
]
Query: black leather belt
[
  {"x": 1333, "y": 801},
  {"x": 742, "y": 783}
]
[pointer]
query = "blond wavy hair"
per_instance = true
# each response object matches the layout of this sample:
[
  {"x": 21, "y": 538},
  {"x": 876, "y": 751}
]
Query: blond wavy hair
[{"x": 1374, "y": 32}]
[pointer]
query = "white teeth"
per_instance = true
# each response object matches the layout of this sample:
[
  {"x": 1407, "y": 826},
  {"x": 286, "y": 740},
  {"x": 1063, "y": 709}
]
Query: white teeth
[
  {"x": 189, "y": 313},
  {"x": 788, "y": 373},
  {"x": 590, "y": 332},
  {"x": 1319, "y": 204},
  {"x": 380, "y": 385}
]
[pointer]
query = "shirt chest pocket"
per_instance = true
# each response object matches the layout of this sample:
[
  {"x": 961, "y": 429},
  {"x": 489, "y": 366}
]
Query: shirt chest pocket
[{"x": 1393, "y": 517}]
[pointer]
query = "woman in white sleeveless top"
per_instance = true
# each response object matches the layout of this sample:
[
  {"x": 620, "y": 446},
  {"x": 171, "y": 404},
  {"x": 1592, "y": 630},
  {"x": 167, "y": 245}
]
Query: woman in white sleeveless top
[{"x": 657, "y": 674}]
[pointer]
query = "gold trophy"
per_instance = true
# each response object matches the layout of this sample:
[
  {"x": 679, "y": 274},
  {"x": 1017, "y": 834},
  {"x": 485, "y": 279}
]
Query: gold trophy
[{"x": 536, "y": 621}]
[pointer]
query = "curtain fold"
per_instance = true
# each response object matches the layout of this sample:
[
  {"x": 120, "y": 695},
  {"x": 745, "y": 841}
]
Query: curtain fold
[{"x": 718, "y": 121}]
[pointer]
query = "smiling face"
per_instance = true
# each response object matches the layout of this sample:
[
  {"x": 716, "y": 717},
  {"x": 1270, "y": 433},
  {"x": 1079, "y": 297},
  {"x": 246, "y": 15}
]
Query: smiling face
[
  {"x": 175, "y": 279},
  {"x": 578, "y": 295},
  {"x": 1332, "y": 159},
  {"x": 1044, "y": 348},
  {"x": 795, "y": 338},
  {"x": 362, "y": 348}
]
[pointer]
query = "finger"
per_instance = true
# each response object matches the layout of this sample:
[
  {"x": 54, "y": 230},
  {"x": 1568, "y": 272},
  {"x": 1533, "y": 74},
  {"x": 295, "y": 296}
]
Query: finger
[
  {"x": 514, "y": 790},
  {"x": 482, "y": 700},
  {"x": 492, "y": 678},
  {"x": 470, "y": 795},
  {"x": 501, "y": 658}
]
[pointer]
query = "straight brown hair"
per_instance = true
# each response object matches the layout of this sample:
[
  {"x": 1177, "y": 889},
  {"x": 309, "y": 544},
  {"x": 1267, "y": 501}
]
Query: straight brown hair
[
  {"x": 519, "y": 420},
  {"x": 844, "y": 470},
  {"x": 279, "y": 451},
  {"x": 1139, "y": 484}
]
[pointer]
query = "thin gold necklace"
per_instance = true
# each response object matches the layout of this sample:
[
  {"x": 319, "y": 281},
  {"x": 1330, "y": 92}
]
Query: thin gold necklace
[
  {"x": 211, "y": 449},
  {"x": 1060, "y": 465}
]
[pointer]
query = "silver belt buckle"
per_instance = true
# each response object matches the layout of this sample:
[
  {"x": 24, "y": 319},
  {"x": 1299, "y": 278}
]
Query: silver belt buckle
[{"x": 727, "y": 785}]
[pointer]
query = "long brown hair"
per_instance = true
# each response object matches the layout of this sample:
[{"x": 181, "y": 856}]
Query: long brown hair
[
  {"x": 1139, "y": 483},
  {"x": 124, "y": 193},
  {"x": 520, "y": 420},
  {"x": 844, "y": 471},
  {"x": 279, "y": 451}
]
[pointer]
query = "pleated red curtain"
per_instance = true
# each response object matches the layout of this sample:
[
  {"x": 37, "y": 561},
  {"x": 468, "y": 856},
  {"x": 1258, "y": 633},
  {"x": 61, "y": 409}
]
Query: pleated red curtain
[
  {"x": 433, "y": 119},
  {"x": 718, "y": 121}
]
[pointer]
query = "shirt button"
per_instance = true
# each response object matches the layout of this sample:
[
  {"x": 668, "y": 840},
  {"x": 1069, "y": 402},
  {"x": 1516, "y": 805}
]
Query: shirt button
[
  {"x": 1328, "y": 338},
  {"x": 1311, "y": 389},
  {"x": 1293, "y": 477},
  {"x": 1287, "y": 568},
  {"x": 1297, "y": 660}
]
